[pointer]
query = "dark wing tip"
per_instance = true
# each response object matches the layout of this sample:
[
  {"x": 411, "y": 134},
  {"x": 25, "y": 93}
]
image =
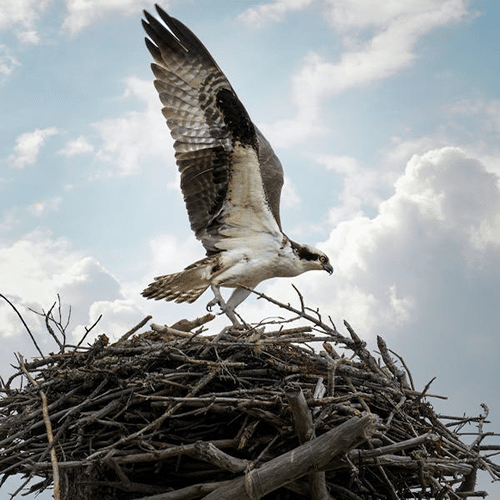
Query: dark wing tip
[
  {"x": 153, "y": 49},
  {"x": 163, "y": 14}
]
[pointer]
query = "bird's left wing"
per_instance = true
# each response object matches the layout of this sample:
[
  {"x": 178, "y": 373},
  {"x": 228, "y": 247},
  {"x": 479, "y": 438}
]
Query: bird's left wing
[{"x": 230, "y": 177}]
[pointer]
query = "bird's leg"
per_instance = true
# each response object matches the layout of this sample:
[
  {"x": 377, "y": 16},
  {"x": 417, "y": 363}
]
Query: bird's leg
[
  {"x": 237, "y": 297},
  {"x": 218, "y": 300}
]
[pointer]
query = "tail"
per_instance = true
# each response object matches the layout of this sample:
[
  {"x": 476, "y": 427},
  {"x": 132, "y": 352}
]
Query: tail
[{"x": 185, "y": 286}]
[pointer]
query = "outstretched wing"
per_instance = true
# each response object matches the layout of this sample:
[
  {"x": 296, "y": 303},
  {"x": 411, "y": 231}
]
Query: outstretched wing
[{"x": 230, "y": 177}]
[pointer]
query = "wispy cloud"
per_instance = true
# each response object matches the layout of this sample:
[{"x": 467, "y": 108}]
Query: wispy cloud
[
  {"x": 42, "y": 207},
  {"x": 7, "y": 61},
  {"x": 28, "y": 146},
  {"x": 272, "y": 12},
  {"x": 77, "y": 146},
  {"x": 378, "y": 42},
  {"x": 9, "y": 219},
  {"x": 128, "y": 139},
  {"x": 82, "y": 14},
  {"x": 23, "y": 15}
]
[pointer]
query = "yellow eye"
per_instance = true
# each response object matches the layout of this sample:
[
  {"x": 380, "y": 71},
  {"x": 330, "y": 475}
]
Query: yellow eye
[{"x": 322, "y": 259}]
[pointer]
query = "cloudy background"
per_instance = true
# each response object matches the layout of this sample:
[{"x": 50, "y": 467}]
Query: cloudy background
[{"x": 385, "y": 114}]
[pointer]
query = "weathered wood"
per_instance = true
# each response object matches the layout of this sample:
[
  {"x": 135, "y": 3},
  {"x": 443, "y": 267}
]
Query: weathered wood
[
  {"x": 175, "y": 415},
  {"x": 311, "y": 456},
  {"x": 304, "y": 428},
  {"x": 210, "y": 453}
]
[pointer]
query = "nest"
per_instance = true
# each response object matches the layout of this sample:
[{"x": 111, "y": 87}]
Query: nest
[{"x": 271, "y": 411}]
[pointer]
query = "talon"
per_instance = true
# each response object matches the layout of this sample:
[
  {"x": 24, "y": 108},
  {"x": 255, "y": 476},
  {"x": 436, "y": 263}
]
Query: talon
[
  {"x": 211, "y": 304},
  {"x": 217, "y": 300}
]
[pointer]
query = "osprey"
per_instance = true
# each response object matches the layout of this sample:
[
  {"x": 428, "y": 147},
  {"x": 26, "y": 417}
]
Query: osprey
[{"x": 230, "y": 177}]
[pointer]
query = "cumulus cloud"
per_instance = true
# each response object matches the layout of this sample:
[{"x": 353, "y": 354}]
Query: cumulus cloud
[
  {"x": 379, "y": 40},
  {"x": 115, "y": 318},
  {"x": 37, "y": 267},
  {"x": 28, "y": 146},
  {"x": 128, "y": 139},
  {"x": 166, "y": 249},
  {"x": 431, "y": 246},
  {"x": 442, "y": 221}
]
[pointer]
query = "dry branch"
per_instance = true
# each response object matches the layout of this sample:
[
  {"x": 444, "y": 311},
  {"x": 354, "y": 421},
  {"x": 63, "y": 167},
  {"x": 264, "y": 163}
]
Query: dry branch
[
  {"x": 180, "y": 413},
  {"x": 312, "y": 456}
]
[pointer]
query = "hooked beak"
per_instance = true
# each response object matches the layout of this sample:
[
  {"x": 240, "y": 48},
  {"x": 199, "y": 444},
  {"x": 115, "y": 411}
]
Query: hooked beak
[{"x": 328, "y": 268}]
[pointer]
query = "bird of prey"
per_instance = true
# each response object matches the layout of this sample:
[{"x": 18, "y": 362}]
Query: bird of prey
[{"x": 230, "y": 177}]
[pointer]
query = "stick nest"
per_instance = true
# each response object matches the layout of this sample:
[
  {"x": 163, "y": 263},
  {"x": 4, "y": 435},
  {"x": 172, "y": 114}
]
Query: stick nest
[{"x": 270, "y": 411}]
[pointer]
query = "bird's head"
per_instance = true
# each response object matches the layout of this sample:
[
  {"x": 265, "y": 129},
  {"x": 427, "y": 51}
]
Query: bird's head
[{"x": 312, "y": 258}]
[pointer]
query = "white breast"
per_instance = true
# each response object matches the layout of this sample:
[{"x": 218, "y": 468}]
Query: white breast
[{"x": 261, "y": 258}]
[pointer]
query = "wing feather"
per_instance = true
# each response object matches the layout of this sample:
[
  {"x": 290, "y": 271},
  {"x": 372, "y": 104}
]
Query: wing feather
[{"x": 216, "y": 144}]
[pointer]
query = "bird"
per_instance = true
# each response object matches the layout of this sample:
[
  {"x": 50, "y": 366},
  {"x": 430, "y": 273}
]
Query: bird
[{"x": 230, "y": 177}]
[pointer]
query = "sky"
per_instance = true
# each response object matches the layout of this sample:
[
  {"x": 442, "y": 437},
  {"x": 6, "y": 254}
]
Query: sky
[{"x": 386, "y": 118}]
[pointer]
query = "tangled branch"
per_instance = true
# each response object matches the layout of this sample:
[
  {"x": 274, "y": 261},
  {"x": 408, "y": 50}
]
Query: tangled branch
[{"x": 180, "y": 412}]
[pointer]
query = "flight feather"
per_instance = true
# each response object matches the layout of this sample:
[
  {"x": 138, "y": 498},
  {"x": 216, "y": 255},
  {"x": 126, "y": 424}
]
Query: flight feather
[{"x": 230, "y": 177}]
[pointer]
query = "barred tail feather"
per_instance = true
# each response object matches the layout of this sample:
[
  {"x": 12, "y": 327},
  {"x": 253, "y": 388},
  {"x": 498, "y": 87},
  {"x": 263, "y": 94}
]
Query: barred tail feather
[{"x": 185, "y": 286}]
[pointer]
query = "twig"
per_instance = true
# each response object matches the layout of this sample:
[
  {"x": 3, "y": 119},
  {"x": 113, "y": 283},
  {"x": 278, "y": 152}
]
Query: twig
[
  {"x": 139, "y": 407},
  {"x": 48, "y": 426},
  {"x": 139, "y": 325},
  {"x": 23, "y": 322},
  {"x": 87, "y": 331},
  {"x": 384, "y": 351},
  {"x": 412, "y": 385}
]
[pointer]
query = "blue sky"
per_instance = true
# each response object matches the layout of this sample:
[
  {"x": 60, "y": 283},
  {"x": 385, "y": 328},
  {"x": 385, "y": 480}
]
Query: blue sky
[{"x": 385, "y": 115}]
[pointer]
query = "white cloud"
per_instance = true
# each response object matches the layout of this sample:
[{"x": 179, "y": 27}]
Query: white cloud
[
  {"x": 28, "y": 146},
  {"x": 346, "y": 15},
  {"x": 272, "y": 12},
  {"x": 441, "y": 222},
  {"x": 430, "y": 246},
  {"x": 77, "y": 146},
  {"x": 37, "y": 267},
  {"x": 169, "y": 255},
  {"x": 289, "y": 196},
  {"x": 41, "y": 207},
  {"x": 447, "y": 185},
  {"x": 29, "y": 36},
  {"x": 10, "y": 219},
  {"x": 130, "y": 138},
  {"x": 117, "y": 317},
  {"x": 379, "y": 39},
  {"x": 479, "y": 118},
  {"x": 361, "y": 186},
  {"x": 83, "y": 13},
  {"x": 7, "y": 61},
  {"x": 22, "y": 13}
]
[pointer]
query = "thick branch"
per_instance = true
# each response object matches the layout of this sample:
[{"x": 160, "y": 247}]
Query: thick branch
[
  {"x": 311, "y": 456},
  {"x": 304, "y": 428}
]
